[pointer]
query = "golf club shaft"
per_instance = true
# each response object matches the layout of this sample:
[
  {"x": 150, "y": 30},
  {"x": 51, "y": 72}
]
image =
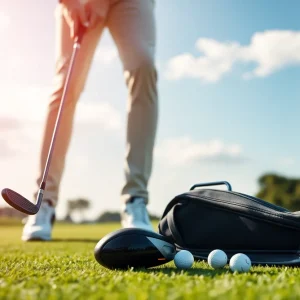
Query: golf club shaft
[{"x": 76, "y": 47}]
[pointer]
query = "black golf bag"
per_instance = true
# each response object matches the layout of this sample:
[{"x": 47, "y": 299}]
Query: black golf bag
[{"x": 202, "y": 220}]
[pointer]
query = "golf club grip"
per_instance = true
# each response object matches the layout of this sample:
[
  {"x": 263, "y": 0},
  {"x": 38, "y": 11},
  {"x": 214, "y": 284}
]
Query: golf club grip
[{"x": 80, "y": 33}]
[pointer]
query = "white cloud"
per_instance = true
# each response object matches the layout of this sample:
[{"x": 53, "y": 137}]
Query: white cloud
[
  {"x": 101, "y": 113},
  {"x": 24, "y": 103},
  {"x": 287, "y": 161},
  {"x": 184, "y": 150},
  {"x": 23, "y": 115},
  {"x": 271, "y": 50},
  {"x": 8, "y": 123},
  {"x": 28, "y": 105},
  {"x": 22, "y": 112},
  {"x": 5, "y": 148},
  {"x": 106, "y": 54},
  {"x": 4, "y": 21}
]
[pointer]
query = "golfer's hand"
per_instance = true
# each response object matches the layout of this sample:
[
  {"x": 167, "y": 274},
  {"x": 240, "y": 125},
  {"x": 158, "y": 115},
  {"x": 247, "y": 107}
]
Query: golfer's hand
[
  {"x": 96, "y": 11},
  {"x": 75, "y": 14},
  {"x": 86, "y": 12}
]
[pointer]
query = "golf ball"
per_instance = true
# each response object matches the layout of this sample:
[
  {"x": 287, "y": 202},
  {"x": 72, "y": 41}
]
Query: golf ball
[
  {"x": 240, "y": 263},
  {"x": 184, "y": 259},
  {"x": 217, "y": 259}
]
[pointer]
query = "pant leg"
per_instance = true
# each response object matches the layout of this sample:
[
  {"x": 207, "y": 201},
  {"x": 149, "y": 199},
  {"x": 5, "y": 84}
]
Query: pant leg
[
  {"x": 64, "y": 47},
  {"x": 132, "y": 26}
]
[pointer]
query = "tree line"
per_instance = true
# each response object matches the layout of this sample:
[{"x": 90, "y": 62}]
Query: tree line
[
  {"x": 280, "y": 190},
  {"x": 274, "y": 188},
  {"x": 81, "y": 205}
]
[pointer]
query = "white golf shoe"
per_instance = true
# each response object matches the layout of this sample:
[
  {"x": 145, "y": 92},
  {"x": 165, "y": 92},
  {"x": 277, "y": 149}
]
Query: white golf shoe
[
  {"x": 134, "y": 215},
  {"x": 39, "y": 227}
]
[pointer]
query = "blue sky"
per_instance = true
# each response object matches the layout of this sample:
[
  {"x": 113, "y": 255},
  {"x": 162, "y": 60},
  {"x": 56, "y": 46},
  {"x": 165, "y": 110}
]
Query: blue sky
[{"x": 229, "y": 100}]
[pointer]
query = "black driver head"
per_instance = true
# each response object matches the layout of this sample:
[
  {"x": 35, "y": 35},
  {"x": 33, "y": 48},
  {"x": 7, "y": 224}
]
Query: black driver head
[
  {"x": 133, "y": 247},
  {"x": 20, "y": 203}
]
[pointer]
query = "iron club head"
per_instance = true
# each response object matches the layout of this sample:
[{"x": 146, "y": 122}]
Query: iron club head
[{"x": 20, "y": 203}]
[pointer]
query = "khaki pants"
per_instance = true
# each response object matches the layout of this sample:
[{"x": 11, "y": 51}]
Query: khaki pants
[{"x": 132, "y": 26}]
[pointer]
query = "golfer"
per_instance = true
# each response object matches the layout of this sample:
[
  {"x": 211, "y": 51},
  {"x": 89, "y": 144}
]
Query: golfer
[{"x": 132, "y": 26}]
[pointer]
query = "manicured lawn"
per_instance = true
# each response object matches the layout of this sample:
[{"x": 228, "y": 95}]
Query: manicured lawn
[{"x": 66, "y": 269}]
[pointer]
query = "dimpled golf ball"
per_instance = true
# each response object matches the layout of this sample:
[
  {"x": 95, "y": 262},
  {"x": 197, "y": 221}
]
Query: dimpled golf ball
[
  {"x": 240, "y": 263},
  {"x": 217, "y": 259},
  {"x": 184, "y": 259}
]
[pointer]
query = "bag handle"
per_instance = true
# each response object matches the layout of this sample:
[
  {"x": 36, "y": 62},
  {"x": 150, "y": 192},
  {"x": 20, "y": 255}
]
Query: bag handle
[
  {"x": 172, "y": 227},
  {"x": 212, "y": 183}
]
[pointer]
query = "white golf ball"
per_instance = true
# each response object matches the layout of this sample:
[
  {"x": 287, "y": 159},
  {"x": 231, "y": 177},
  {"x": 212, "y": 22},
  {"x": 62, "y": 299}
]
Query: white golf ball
[
  {"x": 217, "y": 259},
  {"x": 240, "y": 263},
  {"x": 184, "y": 259}
]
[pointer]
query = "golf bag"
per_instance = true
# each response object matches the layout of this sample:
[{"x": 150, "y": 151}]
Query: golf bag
[{"x": 202, "y": 220}]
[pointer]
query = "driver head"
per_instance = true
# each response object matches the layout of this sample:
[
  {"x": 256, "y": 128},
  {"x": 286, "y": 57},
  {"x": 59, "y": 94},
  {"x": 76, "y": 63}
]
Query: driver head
[{"x": 134, "y": 247}]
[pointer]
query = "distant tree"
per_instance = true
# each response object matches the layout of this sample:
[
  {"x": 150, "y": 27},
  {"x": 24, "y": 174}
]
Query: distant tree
[
  {"x": 79, "y": 205},
  {"x": 68, "y": 218},
  {"x": 109, "y": 216},
  {"x": 280, "y": 190},
  {"x": 114, "y": 216},
  {"x": 154, "y": 217},
  {"x": 10, "y": 212}
]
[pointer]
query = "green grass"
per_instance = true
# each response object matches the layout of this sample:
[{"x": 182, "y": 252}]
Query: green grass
[{"x": 66, "y": 269}]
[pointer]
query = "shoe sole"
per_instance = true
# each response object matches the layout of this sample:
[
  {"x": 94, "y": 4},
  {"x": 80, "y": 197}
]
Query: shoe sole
[{"x": 36, "y": 240}]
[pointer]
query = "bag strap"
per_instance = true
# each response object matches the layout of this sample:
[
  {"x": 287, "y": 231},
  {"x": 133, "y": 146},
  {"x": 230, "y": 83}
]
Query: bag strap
[{"x": 172, "y": 227}]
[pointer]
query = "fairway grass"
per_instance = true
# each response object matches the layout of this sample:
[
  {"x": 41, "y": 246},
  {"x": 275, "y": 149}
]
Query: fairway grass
[{"x": 66, "y": 269}]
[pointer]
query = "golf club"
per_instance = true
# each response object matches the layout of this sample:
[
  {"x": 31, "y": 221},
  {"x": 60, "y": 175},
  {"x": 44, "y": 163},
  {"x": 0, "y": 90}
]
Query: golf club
[
  {"x": 134, "y": 247},
  {"x": 13, "y": 198}
]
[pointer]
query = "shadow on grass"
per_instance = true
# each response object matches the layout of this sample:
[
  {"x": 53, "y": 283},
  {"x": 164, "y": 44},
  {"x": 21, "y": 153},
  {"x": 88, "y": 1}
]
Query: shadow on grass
[
  {"x": 191, "y": 272},
  {"x": 198, "y": 271},
  {"x": 77, "y": 240}
]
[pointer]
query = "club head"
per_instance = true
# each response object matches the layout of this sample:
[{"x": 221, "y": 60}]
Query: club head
[
  {"x": 133, "y": 247},
  {"x": 20, "y": 203}
]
